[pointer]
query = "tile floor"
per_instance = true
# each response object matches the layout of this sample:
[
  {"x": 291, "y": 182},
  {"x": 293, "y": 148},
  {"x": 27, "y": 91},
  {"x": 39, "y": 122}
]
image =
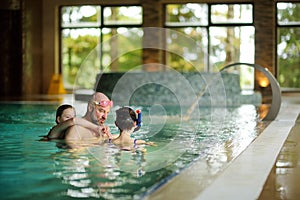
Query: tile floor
[{"x": 284, "y": 179}]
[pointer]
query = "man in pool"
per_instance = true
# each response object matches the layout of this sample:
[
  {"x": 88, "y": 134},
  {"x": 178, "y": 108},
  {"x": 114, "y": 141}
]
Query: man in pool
[
  {"x": 65, "y": 118},
  {"x": 97, "y": 110}
]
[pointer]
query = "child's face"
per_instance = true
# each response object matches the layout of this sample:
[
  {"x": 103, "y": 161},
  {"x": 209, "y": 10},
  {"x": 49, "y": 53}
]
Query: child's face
[{"x": 67, "y": 114}]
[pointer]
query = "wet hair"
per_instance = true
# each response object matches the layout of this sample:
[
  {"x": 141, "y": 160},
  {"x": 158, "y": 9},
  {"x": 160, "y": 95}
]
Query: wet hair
[
  {"x": 61, "y": 109},
  {"x": 125, "y": 118}
]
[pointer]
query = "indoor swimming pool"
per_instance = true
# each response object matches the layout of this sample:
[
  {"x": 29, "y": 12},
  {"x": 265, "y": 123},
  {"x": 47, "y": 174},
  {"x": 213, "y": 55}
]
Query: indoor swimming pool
[{"x": 32, "y": 169}]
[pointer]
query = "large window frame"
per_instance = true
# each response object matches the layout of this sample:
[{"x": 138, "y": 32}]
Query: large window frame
[
  {"x": 210, "y": 24},
  {"x": 100, "y": 25},
  {"x": 213, "y": 67},
  {"x": 287, "y": 82}
]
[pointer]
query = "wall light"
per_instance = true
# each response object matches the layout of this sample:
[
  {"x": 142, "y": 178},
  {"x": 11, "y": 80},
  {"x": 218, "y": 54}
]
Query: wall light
[{"x": 263, "y": 82}]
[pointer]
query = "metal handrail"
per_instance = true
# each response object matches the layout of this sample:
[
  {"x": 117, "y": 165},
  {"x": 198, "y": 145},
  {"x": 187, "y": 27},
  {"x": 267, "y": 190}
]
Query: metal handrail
[{"x": 276, "y": 91}]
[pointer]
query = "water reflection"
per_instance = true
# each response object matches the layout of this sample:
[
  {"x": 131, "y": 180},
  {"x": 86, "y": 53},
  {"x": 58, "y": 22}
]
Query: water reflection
[
  {"x": 263, "y": 110},
  {"x": 99, "y": 171}
]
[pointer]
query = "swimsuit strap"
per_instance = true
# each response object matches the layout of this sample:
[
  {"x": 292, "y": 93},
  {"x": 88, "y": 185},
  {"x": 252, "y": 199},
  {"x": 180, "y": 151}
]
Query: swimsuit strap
[{"x": 134, "y": 143}]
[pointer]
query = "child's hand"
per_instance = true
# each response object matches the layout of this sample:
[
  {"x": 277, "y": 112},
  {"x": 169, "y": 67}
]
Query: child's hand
[
  {"x": 151, "y": 144},
  {"x": 105, "y": 131},
  {"x": 142, "y": 150}
]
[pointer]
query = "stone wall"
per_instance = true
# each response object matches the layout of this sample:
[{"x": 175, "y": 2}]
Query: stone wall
[{"x": 173, "y": 88}]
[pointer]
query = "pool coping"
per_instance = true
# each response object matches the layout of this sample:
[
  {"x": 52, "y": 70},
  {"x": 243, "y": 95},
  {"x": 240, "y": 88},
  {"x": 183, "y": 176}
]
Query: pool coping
[{"x": 244, "y": 177}]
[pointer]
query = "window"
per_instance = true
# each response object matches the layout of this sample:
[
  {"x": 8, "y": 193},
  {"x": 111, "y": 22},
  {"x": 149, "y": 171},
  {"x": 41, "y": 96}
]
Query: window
[
  {"x": 288, "y": 44},
  {"x": 222, "y": 34},
  {"x": 89, "y": 32},
  {"x": 199, "y": 37}
]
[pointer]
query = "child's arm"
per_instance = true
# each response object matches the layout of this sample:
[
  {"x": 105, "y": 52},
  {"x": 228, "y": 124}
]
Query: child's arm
[
  {"x": 104, "y": 130},
  {"x": 144, "y": 142},
  {"x": 57, "y": 131},
  {"x": 87, "y": 124}
]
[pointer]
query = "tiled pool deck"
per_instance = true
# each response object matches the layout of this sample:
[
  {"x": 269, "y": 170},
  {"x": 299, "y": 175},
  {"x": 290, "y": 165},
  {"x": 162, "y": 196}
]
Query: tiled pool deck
[{"x": 284, "y": 179}]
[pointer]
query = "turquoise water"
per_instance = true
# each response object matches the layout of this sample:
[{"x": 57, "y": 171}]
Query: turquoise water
[{"x": 31, "y": 169}]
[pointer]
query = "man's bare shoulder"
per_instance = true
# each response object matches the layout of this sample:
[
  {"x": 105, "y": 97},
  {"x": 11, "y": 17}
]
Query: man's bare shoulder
[{"x": 76, "y": 132}]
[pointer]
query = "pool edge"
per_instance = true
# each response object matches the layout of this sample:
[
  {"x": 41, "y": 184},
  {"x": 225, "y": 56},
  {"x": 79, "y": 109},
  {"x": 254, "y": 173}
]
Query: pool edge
[{"x": 245, "y": 176}]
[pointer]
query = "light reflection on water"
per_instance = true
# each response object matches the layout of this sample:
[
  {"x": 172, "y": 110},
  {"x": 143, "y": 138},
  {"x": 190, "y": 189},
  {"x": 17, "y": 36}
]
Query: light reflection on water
[{"x": 40, "y": 170}]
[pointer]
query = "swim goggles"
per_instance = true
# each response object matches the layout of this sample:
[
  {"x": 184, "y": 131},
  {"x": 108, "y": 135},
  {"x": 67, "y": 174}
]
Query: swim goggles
[
  {"x": 104, "y": 103},
  {"x": 138, "y": 120}
]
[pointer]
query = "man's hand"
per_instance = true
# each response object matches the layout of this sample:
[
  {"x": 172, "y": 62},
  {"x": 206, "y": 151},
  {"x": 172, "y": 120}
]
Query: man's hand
[{"x": 105, "y": 131}]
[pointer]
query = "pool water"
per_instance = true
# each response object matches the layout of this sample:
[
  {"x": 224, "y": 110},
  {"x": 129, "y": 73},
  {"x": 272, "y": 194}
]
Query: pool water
[{"x": 32, "y": 169}]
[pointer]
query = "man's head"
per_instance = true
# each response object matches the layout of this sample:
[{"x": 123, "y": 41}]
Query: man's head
[{"x": 98, "y": 108}]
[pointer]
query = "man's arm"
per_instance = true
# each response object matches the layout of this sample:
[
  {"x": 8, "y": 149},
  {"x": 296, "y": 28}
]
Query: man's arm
[{"x": 57, "y": 132}]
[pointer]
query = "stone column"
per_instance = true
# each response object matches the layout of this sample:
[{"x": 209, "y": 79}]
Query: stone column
[
  {"x": 10, "y": 49},
  {"x": 265, "y": 38},
  {"x": 152, "y": 40}
]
